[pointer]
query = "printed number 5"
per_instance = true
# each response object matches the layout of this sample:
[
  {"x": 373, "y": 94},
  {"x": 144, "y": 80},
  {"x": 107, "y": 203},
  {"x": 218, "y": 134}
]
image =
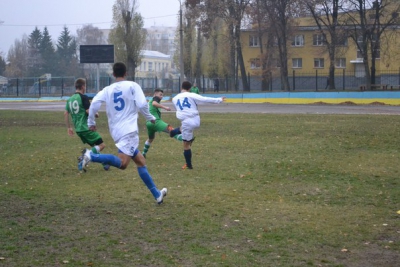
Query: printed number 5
[
  {"x": 185, "y": 103},
  {"x": 118, "y": 99}
]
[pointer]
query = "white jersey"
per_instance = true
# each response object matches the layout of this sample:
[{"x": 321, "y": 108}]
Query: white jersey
[
  {"x": 186, "y": 104},
  {"x": 123, "y": 101}
]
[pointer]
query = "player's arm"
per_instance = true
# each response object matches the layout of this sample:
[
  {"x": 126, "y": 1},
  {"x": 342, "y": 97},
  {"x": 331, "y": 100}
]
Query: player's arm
[
  {"x": 157, "y": 104},
  {"x": 142, "y": 104},
  {"x": 68, "y": 123},
  {"x": 204, "y": 99},
  {"x": 94, "y": 108}
]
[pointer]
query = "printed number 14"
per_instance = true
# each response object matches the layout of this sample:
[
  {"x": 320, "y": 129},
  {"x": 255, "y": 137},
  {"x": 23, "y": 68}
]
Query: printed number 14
[{"x": 185, "y": 103}]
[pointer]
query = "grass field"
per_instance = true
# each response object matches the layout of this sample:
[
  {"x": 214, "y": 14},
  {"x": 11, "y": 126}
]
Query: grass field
[{"x": 266, "y": 190}]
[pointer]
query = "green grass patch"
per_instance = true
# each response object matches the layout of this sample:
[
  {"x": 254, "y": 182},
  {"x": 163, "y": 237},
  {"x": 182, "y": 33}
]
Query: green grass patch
[{"x": 266, "y": 190}]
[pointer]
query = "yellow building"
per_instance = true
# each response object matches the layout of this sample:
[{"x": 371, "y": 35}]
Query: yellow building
[{"x": 307, "y": 53}]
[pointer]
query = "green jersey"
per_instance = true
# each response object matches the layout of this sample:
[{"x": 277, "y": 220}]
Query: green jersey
[
  {"x": 153, "y": 110},
  {"x": 76, "y": 106},
  {"x": 195, "y": 90}
]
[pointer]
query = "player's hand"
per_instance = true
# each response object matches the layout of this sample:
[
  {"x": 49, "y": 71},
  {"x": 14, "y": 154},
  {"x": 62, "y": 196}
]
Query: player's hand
[
  {"x": 167, "y": 108},
  {"x": 70, "y": 132},
  {"x": 93, "y": 128},
  {"x": 96, "y": 115},
  {"x": 223, "y": 98}
]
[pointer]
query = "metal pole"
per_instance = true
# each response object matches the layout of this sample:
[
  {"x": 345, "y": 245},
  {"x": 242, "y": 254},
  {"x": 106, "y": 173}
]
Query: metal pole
[
  {"x": 182, "y": 73},
  {"x": 98, "y": 77}
]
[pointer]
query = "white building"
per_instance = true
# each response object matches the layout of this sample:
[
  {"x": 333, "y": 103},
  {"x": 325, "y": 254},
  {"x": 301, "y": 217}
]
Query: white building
[{"x": 154, "y": 64}]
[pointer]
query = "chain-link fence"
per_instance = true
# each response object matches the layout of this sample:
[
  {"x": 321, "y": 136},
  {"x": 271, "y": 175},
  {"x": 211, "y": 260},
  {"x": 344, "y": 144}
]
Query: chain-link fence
[{"x": 298, "y": 81}]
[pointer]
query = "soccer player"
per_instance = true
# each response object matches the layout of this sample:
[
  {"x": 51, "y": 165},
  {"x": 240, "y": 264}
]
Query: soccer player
[
  {"x": 159, "y": 126},
  {"x": 186, "y": 111},
  {"x": 195, "y": 89},
  {"x": 78, "y": 107},
  {"x": 123, "y": 101}
]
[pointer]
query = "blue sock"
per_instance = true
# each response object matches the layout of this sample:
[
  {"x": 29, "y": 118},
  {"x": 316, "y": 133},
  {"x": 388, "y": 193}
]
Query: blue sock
[
  {"x": 175, "y": 132},
  {"x": 106, "y": 159},
  {"x": 188, "y": 157},
  {"x": 148, "y": 181}
]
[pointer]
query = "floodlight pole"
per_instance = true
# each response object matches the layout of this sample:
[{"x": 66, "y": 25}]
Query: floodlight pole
[
  {"x": 181, "y": 67},
  {"x": 98, "y": 78}
]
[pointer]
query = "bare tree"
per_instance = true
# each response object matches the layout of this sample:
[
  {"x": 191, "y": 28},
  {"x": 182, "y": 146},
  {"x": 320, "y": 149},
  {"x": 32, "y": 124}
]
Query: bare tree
[
  {"x": 332, "y": 31},
  {"x": 263, "y": 24},
  {"x": 17, "y": 58},
  {"x": 90, "y": 35},
  {"x": 279, "y": 12},
  {"x": 368, "y": 21},
  {"x": 127, "y": 34}
]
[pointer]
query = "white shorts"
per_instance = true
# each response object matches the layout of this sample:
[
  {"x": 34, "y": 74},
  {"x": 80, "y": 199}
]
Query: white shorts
[
  {"x": 128, "y": 143},
  {"x": 188, "y": 126}
]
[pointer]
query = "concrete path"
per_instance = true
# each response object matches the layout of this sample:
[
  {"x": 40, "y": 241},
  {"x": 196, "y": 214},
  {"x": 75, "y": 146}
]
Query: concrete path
[{"x": 235, "y": 108}]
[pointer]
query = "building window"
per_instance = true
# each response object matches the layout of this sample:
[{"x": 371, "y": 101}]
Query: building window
[
  {"x": 144, "y": 66},
  {"x": 255, "y": 63},
  {"x": 297, "y": 63},
  {"x": 318, "y": 62},
  {"x": 318, "y": 39},
  {"x": 150, "y": 66},
  {"x": 340, "y": 63},
  {"x": 298, "y": 40},
  {"x": 253, "y": 41}
]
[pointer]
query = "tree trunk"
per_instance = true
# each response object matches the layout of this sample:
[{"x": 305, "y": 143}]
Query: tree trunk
[{"x": 243, "y": 74}]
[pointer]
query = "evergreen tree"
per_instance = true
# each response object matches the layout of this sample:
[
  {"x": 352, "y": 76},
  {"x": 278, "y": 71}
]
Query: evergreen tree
[
  {"x": 34, "y": 57},
  {"x": 2, "y": 65},
  {"x": 47, "y": 52},
  {"x": 66, "y": 54}
]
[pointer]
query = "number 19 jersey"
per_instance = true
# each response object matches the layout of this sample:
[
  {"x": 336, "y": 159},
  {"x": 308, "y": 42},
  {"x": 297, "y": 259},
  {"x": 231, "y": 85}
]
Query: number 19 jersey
[{"x": 76, "y": 106}]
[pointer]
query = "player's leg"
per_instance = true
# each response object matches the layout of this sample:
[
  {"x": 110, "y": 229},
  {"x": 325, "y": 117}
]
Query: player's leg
[
  {"x": 97, "y": 144},
  {"x": 188, "y": 127},
  {"x": 121, "y": 161},
  {"x": 169, "y": 128},
  {"x": 151, "y": 132},
  {"x": 147, "y": 145},
  {"x": 175, "y": 131},
  {"x": 144, "y": 174},
  {"x": 104, "y": 159}
]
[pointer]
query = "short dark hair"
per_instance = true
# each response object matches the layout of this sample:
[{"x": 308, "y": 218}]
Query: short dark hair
[
  {"x": 79, "y": 83},
  {"x": 119, "y": 69},
  {"x": 186, "y": 85},
  {"x": 158, "y": 90}
]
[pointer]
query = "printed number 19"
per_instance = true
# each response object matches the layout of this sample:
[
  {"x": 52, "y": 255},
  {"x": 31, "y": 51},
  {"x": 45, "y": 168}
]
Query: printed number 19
[{"x": 185, "y": 103}]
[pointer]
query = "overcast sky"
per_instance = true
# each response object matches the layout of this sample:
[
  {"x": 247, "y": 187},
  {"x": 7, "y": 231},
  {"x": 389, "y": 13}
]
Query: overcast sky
[{"x": 20, "y": 17}]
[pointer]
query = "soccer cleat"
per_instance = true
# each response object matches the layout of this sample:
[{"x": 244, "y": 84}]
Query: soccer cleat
[
  {"x": 84, "y": 160},
  {"x": 106, "y": 167},
  {"x": 187, "y": 167},
  {"x": 163, "y": 193}
]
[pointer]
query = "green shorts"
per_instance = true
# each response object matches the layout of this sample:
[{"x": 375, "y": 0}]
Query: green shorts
[
  {"x": 158, "y": 126},
  {"x": 91, "y": 138}
]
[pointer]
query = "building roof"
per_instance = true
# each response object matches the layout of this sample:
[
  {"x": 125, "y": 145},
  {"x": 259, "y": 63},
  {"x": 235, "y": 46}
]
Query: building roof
[{"x": 154, "y": 54}]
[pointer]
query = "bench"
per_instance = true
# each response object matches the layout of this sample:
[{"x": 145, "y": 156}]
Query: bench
[{"x": 363, "y": 87}]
